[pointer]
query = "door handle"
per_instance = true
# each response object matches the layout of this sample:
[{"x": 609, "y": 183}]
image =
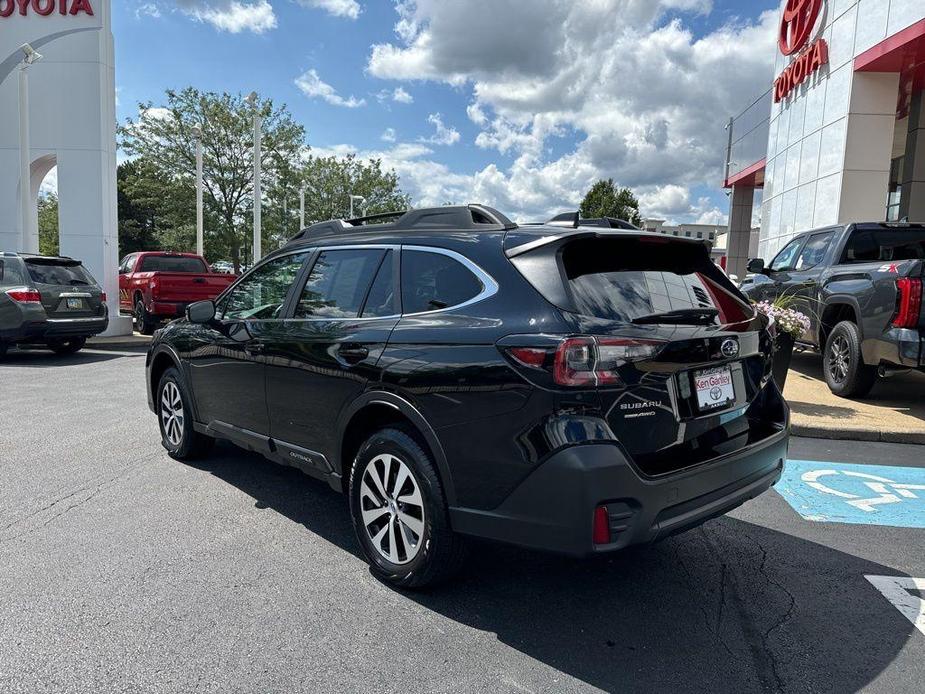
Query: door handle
[
  {"x": 353, "y": 354},
  {"x": 809, "y": 283}
]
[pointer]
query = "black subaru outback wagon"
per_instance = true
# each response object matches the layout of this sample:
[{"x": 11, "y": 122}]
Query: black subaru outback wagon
[{"x": 569, "y": 388}]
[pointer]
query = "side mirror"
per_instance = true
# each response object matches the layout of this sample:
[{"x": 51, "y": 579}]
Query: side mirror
[
  {"x": 202, "y": 312},
  {"x": 756, "y": 266}
]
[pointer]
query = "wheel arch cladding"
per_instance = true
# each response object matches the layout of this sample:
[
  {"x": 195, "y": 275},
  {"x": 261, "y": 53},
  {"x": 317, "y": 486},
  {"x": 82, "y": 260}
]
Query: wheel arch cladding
[
  {"x": 162, "y": 361},
  {"x": 378, "y": 414},
  {"x": 834, "y": 313}
]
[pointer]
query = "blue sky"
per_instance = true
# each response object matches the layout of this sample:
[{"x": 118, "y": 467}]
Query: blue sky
[{"x": 519, "y": 109}]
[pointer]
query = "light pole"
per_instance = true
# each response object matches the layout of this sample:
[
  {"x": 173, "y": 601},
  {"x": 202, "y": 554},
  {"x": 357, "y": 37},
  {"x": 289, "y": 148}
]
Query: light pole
[
  {"x": 258, "y": 124},
  {"x": 29, "y": 240},
  {"x": 200, "y": 240},
  {"x": 302, "y": 208},
  {"x": 355, "y": 198}
]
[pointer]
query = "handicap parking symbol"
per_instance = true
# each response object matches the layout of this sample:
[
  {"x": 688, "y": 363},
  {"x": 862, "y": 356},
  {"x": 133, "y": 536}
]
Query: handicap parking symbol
[{"x": 858, "y": 494}]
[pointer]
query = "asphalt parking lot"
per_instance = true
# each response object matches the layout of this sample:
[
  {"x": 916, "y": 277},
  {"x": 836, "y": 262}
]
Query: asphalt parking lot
[{"x": 122, "y": 570}]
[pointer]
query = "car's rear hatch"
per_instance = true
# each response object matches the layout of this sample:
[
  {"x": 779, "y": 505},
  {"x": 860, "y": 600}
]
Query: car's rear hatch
[
  {"x": 66, "y": 288},
  {"x": 680, "y": 357}
]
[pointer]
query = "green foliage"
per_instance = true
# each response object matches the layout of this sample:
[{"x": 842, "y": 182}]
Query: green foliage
[
  {"x": 156, "y": 212},
  {"x": 164, "y": 136},
  {"x": 330, "y": 181},
  {"x": 48, "y": 225},
  {"x": 606, "y": 200}
]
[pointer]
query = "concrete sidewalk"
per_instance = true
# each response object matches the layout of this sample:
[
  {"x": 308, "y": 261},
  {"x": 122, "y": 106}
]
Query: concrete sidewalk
[
  {"x": 894, "y": 411},
  {"x": 133, "y": 340}
]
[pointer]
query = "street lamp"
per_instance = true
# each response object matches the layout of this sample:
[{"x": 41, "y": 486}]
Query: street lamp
[
  {"x": 258, "y": 202},
  {"x": 302, "y": 208},
  {"x": 29, "y": 240},
  {"x": 355, "y": 198},
  {"x": 200, "y": 241}
]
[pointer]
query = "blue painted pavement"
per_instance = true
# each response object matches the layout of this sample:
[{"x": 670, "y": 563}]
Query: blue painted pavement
[{"x": 859, "y": 494}]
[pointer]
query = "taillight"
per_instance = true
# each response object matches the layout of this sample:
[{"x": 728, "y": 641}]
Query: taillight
[
  {"x": 25, "y": 296},
  {"x": 600, "y": 535},
  {"x": 103, "y": 297},
  {"x": 910, "y": 302},
  {"x": 581, "y": 362}
]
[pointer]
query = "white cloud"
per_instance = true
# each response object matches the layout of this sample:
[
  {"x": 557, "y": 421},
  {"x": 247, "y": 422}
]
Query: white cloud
[
  {"x": 645, "y": 98},
  {"x": 443, "y": 135},
  {"x": 389, "y": 135},
  {"x": 233, "y": 16},
  {"x": 401, "y": 96},
  {"x": 313, "y": 86},
  {"x": 339, "y": 8},
  {"x": 147, "y": 9}
]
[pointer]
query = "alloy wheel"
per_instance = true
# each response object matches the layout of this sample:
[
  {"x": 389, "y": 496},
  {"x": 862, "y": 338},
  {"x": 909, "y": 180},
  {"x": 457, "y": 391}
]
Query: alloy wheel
[
  {"x": 839, "y": 359},
  {"x": 392, "y": 509},
  {"x": 172, "y": 413}
]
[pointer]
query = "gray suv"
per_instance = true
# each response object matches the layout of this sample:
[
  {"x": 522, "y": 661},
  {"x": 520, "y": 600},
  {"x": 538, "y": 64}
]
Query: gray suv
[{"x": 50, "y": 302}]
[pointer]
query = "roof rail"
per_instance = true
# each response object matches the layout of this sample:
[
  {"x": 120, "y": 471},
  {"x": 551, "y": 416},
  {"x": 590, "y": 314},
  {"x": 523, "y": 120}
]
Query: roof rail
[{"x": 450, "y": 217}]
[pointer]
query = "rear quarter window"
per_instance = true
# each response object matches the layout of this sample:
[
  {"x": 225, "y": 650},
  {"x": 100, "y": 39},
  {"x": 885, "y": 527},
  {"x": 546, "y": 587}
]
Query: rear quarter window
[
  {"x": 433, "y": 281},
  {"x": 11, "y": 273}
]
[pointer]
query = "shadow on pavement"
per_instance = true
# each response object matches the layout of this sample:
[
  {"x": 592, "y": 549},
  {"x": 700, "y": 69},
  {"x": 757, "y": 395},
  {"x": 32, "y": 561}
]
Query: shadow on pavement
[
  {"x": 731, "y": 606},
  {"x": 44, "y": 358}
]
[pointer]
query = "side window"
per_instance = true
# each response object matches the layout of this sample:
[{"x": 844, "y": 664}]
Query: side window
[
  {"x": 787, "y": 257},
  {"x": 432, "y": 281},
  {"x": 127, "y": 264},
  {"x": 11, "y": 274},
  {"x": 814, "y": 251},
  {"x": 381, "y": 299},
  {"x": 261, "y": 295},
  {"x": 338, "y": 283}
]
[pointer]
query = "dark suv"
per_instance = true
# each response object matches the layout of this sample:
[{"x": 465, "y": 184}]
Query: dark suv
[
  {"x": 569, "y": 389},
  {"x": 48, "y": 301}
]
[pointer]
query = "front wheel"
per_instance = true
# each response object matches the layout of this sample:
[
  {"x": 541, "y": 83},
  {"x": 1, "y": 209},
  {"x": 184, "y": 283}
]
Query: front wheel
[
  {"x": 846, "y": 374},
  {"x": 174, "y": 415},
  {"x": 400, "y": 512},
  {"x": 71, "y": 346}
]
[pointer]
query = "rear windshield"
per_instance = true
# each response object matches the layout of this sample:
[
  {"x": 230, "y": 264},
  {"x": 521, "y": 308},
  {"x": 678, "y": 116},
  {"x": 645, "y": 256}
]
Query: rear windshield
[
  {"x": 168, "y": 263},
  {"x": 627, "y": 279},
  {"x": 62, "y": 274},
  {"x": 884, "y": 245}
]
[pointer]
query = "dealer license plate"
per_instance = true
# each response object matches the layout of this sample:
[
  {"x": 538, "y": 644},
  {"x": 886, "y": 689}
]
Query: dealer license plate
[
  {"x": 714, "y": 388},
  {"x": 75, "y": 304}
]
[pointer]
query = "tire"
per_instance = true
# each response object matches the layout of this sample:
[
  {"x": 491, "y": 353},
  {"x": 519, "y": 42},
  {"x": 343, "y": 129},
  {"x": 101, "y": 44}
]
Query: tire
[
  {"x": 142, "y": 319},
  {"x": 417, "y": 509},
  {"x": 72, "y": 346},
  {"x": 174, "y": 417},
  {"x": 845, "y": 372}
]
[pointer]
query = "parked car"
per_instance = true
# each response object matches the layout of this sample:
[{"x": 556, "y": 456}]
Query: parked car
[
  {"x": 861, "y": 286},
  {"x": 48, "y": 301},
  {"x": 224, "y": 267},
  {"x": 577, "y": 390},
  {"x": 155, "y": 286}
]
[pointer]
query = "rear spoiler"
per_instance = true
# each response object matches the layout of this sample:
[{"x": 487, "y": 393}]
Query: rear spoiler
[{"x": 590, "y": 233}]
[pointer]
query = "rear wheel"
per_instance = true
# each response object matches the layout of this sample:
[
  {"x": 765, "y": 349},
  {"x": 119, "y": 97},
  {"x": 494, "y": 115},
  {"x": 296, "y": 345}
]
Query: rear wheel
[
  {"x": 400, "y": 512},
  {"x": 71, "y": 346},
  {"x": 178, "y": 436},
  {"x": 846, "y": 374},
  {"x": 144, "y": 323}
]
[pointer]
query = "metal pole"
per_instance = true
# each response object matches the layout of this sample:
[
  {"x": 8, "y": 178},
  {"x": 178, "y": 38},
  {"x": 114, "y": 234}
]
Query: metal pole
[
  {"x": 257, "y": 253},
  {"x": 351, "y": 207},
  {"x": 200, "y": 240},
  {"x": 29, "y": 242},
  {"x": 302, "y": 208},
  {"x": 730, "y": 128}
]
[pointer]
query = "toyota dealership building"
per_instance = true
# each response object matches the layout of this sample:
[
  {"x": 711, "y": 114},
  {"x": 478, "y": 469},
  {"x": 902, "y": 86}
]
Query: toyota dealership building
[{"x": 840, "y": 136}]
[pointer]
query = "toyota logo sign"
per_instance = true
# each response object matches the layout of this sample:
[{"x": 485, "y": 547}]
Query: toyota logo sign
[
  {"x": 730, "y": 348},
  {"x": 797, "y": 25}
]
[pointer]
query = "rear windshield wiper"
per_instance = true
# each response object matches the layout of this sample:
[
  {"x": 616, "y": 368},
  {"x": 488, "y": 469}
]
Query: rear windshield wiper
[{"x": 686, "y": 316}]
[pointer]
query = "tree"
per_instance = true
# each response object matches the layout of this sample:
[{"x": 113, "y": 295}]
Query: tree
[
  {"x": 48, "y": 225},
  {"x": 330, "y": 181},
  {"x": 606, "y": 200},
  {"x": 165, "y": 137},
  {"x": 156, "y": 212}
]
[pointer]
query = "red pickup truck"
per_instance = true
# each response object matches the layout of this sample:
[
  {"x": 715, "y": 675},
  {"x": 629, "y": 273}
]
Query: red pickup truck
[{"x": 159, "y": 285}]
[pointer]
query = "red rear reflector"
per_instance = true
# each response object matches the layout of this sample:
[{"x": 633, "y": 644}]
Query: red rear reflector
[
  {"x": 601, "y": 534},
  {"x": 25, "y": 296},
  {"x": 103, "y": 297},
  {"x": 533, "y": 357},
  {"x": 910, "y": 302}
]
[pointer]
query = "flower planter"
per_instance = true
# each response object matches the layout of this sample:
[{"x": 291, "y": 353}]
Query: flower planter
[{"x": 783, "y": 355}]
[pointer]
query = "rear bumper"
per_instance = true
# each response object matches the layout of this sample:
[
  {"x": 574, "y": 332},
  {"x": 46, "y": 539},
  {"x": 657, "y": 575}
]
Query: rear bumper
[
  {"x": 898, "y": 346},
  {"x": 53, "y": 329},
  {"x": 553, "y": 508}
]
